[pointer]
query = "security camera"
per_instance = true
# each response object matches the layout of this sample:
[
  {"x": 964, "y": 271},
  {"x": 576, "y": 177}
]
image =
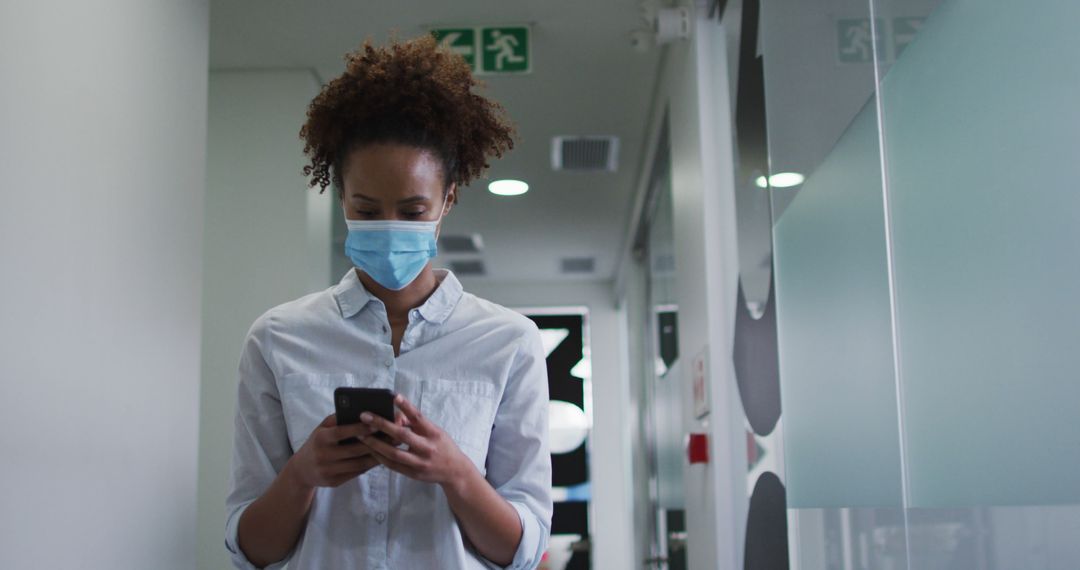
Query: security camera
[{"x": 672, "y": 24}]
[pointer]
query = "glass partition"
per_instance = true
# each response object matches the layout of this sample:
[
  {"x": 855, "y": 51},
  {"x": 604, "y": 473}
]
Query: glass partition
[
  {"x": 837, "y": 375},
  {"x": 662, "y": 373},
  {"x": 925, "y": 272},
  {"x": 979, "y": 123}
]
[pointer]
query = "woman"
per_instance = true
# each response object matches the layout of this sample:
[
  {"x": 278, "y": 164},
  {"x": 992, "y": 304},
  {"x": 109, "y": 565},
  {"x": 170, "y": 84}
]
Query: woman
[{"x": 463, "y": 480}]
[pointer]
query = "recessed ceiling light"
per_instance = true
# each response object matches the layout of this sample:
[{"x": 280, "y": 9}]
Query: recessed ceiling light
[
  {"x": 780, "y": 180},
  {"x": 508, "y": 187}
]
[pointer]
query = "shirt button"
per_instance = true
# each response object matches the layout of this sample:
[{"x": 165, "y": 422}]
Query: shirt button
[
  {"x": 380, "y": 517},
  {"x": 388, "y": 362}
]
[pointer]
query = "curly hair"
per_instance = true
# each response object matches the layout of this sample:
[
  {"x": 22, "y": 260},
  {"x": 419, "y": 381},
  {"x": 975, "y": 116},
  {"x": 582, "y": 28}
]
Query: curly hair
[{"x": 413, "y": 93}]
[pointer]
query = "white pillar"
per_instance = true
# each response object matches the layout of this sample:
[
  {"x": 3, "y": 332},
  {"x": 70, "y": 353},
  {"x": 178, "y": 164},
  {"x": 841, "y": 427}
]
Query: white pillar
[{"x": 102, "y": 164}]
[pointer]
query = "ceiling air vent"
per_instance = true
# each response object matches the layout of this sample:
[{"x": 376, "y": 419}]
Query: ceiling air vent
[
  {"x": 467, "y": 267},
  {"x": 585, "y": 154},
  {"x": 578, "y": 265},
  {"x": 460, "y": 244}
]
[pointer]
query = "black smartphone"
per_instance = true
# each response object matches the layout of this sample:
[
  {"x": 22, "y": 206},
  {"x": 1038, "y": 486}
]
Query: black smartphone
[{"x": 349, "y": 403}]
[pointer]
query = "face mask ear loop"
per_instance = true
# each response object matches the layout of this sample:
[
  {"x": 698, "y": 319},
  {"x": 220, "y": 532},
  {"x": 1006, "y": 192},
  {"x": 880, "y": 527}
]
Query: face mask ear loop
[{"x": 442, "y": 214}]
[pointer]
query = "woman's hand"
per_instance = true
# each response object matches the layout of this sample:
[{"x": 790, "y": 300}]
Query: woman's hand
[
  {"x": 322, "y": 462},
  {"x": 490, "y": 523},
  {"x": 431, "y": 455}
]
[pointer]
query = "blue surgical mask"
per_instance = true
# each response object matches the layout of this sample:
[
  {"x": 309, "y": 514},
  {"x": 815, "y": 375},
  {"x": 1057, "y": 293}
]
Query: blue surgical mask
[{"x": 392, "y": 252}]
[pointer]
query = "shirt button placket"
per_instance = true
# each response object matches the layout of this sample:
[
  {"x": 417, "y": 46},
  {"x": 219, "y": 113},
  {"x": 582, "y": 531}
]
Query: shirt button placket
[
  {"x": 388, "y": 358},
  {"x": 379, "y": 506},
  {"x": 382, "y": 484}
]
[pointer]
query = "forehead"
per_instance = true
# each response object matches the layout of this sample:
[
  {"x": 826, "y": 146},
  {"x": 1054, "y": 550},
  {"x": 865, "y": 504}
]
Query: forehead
[{"x": 392, "y": 171}]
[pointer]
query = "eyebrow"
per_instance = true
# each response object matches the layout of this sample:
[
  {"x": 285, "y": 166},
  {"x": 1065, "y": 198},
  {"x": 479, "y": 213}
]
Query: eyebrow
[{"x": 409, "y": 200}]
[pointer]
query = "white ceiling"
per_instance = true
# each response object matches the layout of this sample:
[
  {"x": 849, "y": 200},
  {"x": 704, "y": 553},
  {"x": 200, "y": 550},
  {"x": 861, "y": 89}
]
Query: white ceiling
[{"x": 586, "y": 79}]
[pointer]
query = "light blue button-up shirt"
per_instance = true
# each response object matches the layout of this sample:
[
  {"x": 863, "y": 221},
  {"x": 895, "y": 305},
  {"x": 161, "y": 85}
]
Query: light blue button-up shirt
[{"x": 474, "y": 368}]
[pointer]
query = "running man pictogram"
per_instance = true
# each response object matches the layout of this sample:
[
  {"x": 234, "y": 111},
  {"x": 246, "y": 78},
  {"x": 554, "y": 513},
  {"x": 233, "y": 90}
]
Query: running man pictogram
[{"x": 505, "y": 50}]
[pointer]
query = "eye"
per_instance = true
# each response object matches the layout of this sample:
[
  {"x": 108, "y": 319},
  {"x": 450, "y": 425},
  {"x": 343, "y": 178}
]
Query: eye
[
  {"x": 366, "y": 213},
  {"x": 413, "y": 215}
]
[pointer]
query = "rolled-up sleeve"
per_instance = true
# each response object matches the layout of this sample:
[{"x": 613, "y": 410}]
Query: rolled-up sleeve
[
  {"x": 518, "y": 461},
  {"x": 261, "y": 444}
]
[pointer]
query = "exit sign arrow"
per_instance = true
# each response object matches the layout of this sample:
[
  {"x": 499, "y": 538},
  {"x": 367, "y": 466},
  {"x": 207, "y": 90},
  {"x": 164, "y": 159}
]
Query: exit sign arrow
[{"x": 461, "y": 41}]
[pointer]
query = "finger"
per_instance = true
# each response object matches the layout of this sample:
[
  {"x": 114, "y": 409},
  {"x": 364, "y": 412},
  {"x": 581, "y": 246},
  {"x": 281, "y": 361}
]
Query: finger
[
  {"x": 400, "y": 433},
  {"x": 348, "y": 451},
  {"x": 413, "y": 415},
  {"x": 382, "y": 437},
  {"x": 360, "y": 431},
  {"x": 398, "y": 467},
  {"x": 324, "y": 431},
  {"x": 338, "y": 480},
  {"x": 356, "y": 430},
  {"x": 393, "y": 442},
  {"x": 352, "y": 466},
  {"x": 396, "y": 454}
]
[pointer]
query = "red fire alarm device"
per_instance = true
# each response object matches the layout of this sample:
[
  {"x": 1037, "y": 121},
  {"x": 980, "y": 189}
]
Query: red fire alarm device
[{"x": 697, "y": 448}]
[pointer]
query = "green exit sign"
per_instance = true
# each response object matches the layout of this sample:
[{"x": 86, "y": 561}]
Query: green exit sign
[
  {"x": 489, "y": 50},
  {"x": 461, "y": 41}
]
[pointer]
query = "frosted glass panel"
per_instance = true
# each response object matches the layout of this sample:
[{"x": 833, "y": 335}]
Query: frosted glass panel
[
  {"x": 836, "y": 365},
  {"x": 982, "y": 131},
  {"x": 834, "y": 331}
]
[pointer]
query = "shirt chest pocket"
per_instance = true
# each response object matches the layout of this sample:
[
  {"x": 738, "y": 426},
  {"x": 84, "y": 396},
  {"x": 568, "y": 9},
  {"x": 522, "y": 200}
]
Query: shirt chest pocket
[
  {"x": 306, "y": 400},
  {"x": 464, "y": 409}
]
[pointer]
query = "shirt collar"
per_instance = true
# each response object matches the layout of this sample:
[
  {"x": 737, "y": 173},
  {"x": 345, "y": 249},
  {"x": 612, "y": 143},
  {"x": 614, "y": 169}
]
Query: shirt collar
[
  {"x": 446, "y": 296},
  {"x": 351, "y": 296}
]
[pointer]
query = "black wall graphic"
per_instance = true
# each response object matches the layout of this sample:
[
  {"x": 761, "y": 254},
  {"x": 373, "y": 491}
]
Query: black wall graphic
[
  {"x": 757, "y": 366},
  {"x": 766, "y": 525},
  {"x": 755, "y": 354},
  {"x": 567, "y": 469}
]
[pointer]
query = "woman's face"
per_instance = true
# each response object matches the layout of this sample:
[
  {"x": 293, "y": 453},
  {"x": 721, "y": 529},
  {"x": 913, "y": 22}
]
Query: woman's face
[{"x": 394, "y": 182}]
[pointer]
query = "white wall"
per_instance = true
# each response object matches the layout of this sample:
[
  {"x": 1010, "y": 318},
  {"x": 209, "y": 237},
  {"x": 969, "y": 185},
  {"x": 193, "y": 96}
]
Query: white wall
[
  {"x": 102, "y": 163},
  {"x": 267, "y": 242},
  {"x": 609, "y": 460},
  {"x": 692, "y": 86}
]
